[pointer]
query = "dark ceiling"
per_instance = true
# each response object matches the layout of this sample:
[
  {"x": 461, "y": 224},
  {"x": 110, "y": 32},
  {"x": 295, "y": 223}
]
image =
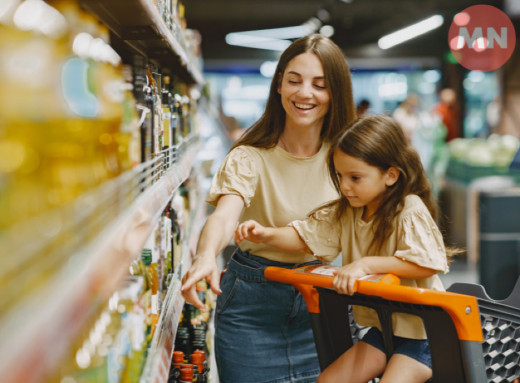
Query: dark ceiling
[{"x": 358, "y": 25}]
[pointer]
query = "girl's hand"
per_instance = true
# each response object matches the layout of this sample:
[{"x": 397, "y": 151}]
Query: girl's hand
[
  {"x": 250, "y": 230},
  {"x": 346, "y": 277}
]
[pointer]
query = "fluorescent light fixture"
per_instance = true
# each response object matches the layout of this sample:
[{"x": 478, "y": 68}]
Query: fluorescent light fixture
[
  {"x": 268, "y": 68},
  {"x": 275, "y": 38},
  {"x": 410, "y": 32},
  {"x": 243, "y": 40}
]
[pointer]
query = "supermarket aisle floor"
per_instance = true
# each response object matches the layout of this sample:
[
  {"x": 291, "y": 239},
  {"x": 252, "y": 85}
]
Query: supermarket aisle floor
[{"x": 460, "y": 271}]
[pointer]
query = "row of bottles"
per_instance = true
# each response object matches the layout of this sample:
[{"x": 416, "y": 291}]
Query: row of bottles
[
  {"x": 173, "y": 13},
  {"x": 189, "y": 362},
  {"x": 167, "y": 113},
  {"x": 61, "y": 100},
  {"x": 113, "y": 348},
  {"x": 194, "y": 369},
  {"x": 73, "y": 114}
]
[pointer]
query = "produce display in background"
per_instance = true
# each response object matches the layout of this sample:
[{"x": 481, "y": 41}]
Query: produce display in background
[{"x": 472, "y": 158}]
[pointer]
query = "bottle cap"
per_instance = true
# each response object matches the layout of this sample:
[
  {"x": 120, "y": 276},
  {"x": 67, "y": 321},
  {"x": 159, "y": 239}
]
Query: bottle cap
[
  {"x": 187, "y": 374},
  {"x": 146, "y": 256},
  {"x": 200, "y": 352},
  {"x": 196, "y": 358},
  {"x": 178, "y": 357}
]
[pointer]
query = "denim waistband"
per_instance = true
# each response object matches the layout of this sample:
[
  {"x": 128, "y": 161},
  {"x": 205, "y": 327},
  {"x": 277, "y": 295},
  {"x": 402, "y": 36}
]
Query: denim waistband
[{"x": 251, "y": 267}]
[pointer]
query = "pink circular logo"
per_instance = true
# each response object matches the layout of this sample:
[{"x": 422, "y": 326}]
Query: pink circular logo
[{"x": 481, "y": 38}]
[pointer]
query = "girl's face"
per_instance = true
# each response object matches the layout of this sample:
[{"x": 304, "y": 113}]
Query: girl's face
[
  {"x": 304, "y": 92},
  {"x": 362, "y": 184}
]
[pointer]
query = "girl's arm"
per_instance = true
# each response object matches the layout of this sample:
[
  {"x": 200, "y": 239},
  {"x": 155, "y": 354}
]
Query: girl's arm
[
  {"x": 347, "y": 275},
  {"x": 284, "y": 238},
  {"x": 215, "y": 236}
]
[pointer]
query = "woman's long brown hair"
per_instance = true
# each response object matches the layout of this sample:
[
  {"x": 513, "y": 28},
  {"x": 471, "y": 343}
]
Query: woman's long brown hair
[
  {"x": 266, "y": 132},
  {"x": 379, "y": 141}
]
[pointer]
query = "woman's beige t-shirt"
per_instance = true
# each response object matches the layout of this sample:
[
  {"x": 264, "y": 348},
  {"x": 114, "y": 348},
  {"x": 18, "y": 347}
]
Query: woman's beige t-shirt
[
  {"x": 416, "y": 239},
  {"x": 277, "y": 188}
]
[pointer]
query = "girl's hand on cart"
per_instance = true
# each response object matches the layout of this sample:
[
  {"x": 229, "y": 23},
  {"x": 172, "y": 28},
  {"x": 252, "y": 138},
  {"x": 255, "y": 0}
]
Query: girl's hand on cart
[
  {"x": 346, "y": 277},
  {"x": 250, "y": 230}
]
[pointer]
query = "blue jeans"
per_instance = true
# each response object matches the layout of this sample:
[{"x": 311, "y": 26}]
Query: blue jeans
[{"x": 262, "y": 328}]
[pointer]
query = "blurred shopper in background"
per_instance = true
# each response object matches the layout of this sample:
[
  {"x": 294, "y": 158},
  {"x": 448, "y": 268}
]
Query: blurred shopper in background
[
  {"x": 407, "y": 115},
  {"x": 362, "y": 107},
  {"x": 427, "y": 134},
  {"x": 275, "y": 173},
  {"x": 448, "y": 111}
]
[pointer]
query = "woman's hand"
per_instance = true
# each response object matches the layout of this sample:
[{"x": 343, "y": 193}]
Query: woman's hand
[
  {"x": 214, "y": 237},
  {"x": 203, "y": 267},
  {"x": 252, "y": 231},
  {"x": 347, "y": 276}
]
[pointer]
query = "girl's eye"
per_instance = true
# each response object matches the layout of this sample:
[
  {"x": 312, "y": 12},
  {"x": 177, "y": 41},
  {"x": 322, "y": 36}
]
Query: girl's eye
[{"x": 355, "y": 178}]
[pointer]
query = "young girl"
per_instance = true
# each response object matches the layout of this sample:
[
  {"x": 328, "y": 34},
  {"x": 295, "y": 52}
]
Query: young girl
[{"x": 384, "y": 222}]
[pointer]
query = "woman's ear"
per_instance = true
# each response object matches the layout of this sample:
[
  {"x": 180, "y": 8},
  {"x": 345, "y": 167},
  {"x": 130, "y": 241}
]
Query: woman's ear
[{"x": 392, "y": 175}]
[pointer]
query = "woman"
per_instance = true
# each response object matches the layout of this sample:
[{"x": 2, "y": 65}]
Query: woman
[{"x": 274, "y": 174}]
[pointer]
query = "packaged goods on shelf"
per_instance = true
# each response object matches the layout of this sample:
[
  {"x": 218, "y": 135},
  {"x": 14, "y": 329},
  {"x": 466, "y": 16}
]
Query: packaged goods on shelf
[
  {"x": 472, "y": 158},
  {"x": 192, "y": 346},
  {"x": 94, "y": 144}
]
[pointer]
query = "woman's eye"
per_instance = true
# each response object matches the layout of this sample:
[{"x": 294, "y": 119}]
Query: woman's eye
[
  {"x": 320, "y": 86},
  {"x": 293, "y": 82}
]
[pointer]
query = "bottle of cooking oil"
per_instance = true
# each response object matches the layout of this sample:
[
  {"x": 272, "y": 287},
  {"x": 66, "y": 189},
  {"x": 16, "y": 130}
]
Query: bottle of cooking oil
[{"x": 29, "y": 99}]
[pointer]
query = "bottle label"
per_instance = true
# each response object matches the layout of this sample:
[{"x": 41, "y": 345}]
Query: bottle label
[{"x": 155, "y": 304}]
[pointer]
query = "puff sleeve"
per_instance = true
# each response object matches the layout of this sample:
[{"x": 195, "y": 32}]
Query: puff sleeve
[
  {"x": 237, "y": 175},
  {"x": 421, "y": 242},
  {"x": 321, "y": 233}
]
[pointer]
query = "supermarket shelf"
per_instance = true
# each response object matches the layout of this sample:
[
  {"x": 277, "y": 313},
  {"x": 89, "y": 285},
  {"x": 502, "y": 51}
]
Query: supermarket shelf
[
  {"x": 139, "y": 24},
  {"x": 161, "y": 349},
  {"x": 38, "y": 329}
]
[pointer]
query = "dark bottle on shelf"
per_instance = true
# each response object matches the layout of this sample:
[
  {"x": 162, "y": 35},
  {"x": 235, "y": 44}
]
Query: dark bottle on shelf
[
  {"x": 179, "y": 121},
  {"x": 152, "y": 99}
]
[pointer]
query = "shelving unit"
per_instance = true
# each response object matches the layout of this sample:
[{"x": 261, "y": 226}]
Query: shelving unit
[
  {"x": 70, "y": 260},
  {"x": 138, "y": 25},
  {"x": 41, "y": 327}
]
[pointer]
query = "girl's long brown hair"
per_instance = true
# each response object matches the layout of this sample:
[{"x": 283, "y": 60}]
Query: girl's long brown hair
[
  {"x": 379, "y": 141},
  {"x": 266, "y": 132}
]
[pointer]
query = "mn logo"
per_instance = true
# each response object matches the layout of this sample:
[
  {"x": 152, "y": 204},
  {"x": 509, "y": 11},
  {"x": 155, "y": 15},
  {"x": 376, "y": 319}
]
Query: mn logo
[{"x": 481, "y": 38}]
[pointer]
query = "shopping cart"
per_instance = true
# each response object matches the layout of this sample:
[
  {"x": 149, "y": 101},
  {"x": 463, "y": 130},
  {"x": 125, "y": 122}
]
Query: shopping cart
[{"x": 473, "y": 339}]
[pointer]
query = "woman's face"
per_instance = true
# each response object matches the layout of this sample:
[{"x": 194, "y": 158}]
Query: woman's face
[{"x": 304, "y": 92}]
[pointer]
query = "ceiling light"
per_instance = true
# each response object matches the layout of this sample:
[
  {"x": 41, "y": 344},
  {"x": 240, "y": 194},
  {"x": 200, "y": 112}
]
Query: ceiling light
[
  {"x": 275, "y": 38},
  {"x": 250, "y": 41},
  {"x": 268, "y": 68},
  {"x": 410, "y": 32},
  {"x": 327, "y": 30}
]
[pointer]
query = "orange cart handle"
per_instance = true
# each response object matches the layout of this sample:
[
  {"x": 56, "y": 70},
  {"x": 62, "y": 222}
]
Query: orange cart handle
[{"x": 463, "y": 309}]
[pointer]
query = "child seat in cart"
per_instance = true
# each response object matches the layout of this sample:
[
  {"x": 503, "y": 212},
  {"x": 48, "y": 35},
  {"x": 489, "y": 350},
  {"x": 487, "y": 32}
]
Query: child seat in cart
[{"x": 473, "y": 339}]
